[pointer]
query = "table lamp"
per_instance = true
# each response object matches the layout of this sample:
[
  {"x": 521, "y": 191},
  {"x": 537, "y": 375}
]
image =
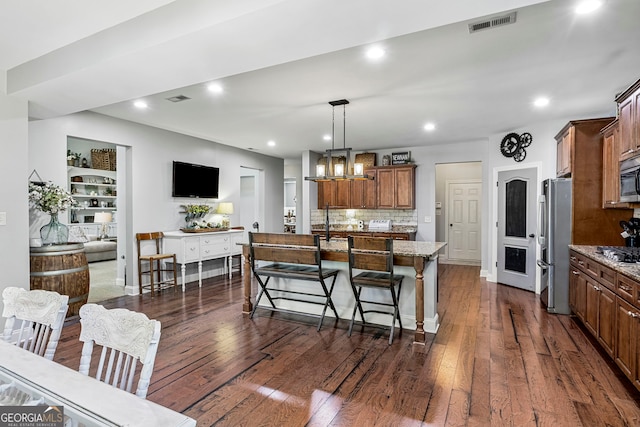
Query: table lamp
[
  {"x": 226, "y": 209},
  {"x": 103, "y": 218}
]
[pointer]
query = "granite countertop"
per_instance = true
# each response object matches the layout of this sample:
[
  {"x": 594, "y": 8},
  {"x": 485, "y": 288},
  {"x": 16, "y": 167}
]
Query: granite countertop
[
  {"x": 400, "y": 247},
  {"x": 343, "y": 227},
  {"x": 628, "y": 269}
]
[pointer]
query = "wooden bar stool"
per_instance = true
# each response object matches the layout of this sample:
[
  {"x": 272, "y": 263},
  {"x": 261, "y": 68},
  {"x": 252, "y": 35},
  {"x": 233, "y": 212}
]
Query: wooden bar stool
[
  {"x": 374, "y": 256},
  {"x": 155, "y": 264}
]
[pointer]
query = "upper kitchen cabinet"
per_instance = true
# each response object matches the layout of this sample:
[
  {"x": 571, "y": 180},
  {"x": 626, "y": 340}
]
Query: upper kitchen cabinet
[
  {"x": 396, "y": 187},
  {"x": 591, "y": 225},
  {"x": 363, "y": 192},
  {"x": 564, "y": 151},
  {"x": 336, "y": 194},
  {"x": 629, "y": 121},
  {"x": 611, "y": 167}
]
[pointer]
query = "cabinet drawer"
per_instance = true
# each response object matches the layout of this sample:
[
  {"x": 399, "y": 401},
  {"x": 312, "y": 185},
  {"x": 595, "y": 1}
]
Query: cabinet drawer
[
  {"x": 607, "y": 276},
  {"x": 585, "y": 264},
  {"x": 191, "y": 250},
  {"x": 626, "y": 288}
]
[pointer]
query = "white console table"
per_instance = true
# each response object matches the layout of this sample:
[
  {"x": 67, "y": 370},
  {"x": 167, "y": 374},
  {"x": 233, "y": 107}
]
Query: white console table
[{"x": 199, "y": 247}]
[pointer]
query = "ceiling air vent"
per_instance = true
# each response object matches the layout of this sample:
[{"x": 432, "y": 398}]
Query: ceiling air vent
[
  {"x": 496, "y": 21},
  {"x": 178, "y": 98}
]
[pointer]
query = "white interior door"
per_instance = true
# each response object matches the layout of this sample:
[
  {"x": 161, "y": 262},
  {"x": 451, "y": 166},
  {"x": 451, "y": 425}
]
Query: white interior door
[
  {"x": 464, "y": 208},
  {"x": 249, "y": 211},
  {"x": 517, "y": 227}
]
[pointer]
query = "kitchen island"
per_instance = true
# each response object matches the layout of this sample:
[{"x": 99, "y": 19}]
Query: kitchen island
[{"x": 417, "y": 261}]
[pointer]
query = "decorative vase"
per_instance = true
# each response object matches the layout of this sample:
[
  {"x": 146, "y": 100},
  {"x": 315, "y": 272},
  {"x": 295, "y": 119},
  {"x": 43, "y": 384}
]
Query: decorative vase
[
  {"x": 54, "y": 233},
  {"x": 71, "y": 162}
]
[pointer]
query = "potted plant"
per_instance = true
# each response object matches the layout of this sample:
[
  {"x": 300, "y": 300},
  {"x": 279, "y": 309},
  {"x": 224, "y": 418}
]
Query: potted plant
[
  {"x": 195, "y": 212},
  {"x": 51, "y": 199},
  {"x": 72, "y": 158}
]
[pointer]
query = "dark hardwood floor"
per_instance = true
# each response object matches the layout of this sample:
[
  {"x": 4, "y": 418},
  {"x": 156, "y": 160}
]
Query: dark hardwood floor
[{"x": 498, "y": 359}]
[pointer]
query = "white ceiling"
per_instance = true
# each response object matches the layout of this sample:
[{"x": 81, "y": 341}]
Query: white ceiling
[{"x": 281, "y": 61}]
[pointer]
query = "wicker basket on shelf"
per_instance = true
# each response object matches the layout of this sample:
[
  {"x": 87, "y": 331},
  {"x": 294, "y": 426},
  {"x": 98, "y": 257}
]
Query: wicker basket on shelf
[
  {"x": 103, "y": 159},
  {"x": 367, "y": 159}
]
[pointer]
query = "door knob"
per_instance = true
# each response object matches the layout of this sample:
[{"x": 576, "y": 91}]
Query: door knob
[
  {"x": 532, "y": 235},
  {"x": 450, "y": 225}
]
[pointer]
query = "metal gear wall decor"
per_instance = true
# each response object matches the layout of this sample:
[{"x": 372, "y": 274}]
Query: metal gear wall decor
[{"x": 513, "y": 145}]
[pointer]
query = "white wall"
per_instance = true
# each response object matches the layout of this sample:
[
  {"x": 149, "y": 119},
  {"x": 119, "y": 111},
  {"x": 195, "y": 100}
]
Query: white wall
[
  {"x": 150, "y": 152},
  {"x": 14, "y": 174}
]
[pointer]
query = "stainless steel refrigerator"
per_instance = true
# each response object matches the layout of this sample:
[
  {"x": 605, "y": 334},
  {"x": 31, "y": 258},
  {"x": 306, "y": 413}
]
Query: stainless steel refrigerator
[{"x": 554, "y": 238}]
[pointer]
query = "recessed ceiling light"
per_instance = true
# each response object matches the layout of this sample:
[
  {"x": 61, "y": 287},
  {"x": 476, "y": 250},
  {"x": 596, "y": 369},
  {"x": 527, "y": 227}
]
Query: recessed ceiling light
[
  {"x": 214, "y": 87},
  {"x": 541, "y": 102},
  {"x": 327, "y": 137},
  {"x": 588, "y": 6},
  {"x": 375, "y": 52},
  {"x": 430, "y": 126},
  {"x": 140, "y": 104},
  {"x": 271, "y": 143}
]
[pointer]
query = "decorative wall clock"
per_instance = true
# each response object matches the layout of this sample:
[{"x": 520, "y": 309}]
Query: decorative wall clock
[{"x": 513, "y": 145}]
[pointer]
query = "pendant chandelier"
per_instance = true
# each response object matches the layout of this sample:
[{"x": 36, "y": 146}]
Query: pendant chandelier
[{"x": 338, "y": 171}]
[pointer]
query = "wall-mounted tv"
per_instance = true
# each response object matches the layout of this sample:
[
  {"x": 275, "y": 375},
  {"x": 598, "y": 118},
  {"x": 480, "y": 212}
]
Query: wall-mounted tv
[{"x": 191, "y": 180}]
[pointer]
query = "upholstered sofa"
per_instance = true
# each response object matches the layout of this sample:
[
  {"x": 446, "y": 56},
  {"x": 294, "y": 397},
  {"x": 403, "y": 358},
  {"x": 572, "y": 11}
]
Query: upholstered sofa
[{"x": 95, "y": 250}]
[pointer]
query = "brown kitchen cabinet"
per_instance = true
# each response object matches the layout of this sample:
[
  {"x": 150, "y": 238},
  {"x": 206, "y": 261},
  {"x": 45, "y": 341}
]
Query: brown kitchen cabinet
[
  {"x": 627, "y": 354},
  {"x": 610, "y": 314},
  {"x": 396, "y": 187},
  {"x": 629, "y": 121},
  {"x": 564, "y": 152},
  {"x": 592, "y": 291},
  {"x": 363, "y": 192},
  {"x": 586, "y": 176},
  {"x": 337, "y": 194},
  {"x": 611, "y": 168}
]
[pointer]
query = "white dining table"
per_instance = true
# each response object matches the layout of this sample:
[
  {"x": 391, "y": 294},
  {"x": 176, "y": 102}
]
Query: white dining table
[{"x": 85, "y": 400}]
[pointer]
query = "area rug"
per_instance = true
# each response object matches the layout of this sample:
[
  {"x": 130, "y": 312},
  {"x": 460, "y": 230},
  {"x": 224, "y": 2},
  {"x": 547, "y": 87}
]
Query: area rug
[{"x": 102, "y": 284}]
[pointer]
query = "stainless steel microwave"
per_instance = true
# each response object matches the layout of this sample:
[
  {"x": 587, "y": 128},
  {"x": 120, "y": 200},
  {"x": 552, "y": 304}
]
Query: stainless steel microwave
[{"x": 630, "y": 180}]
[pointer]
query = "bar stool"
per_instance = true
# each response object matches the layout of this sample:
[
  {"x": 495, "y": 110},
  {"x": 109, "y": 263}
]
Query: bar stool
[
  {"x": 155, "y": 266},
  {"x": 374, "y": 256}
]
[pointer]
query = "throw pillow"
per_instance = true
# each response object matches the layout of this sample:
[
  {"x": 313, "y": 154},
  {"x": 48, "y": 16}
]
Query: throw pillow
[{"x": 76, "y": 235}]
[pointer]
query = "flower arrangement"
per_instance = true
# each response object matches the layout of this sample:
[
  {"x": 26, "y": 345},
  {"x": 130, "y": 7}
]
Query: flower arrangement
[
  {"x": 72, "y": 156},
  {"x": 197, "y": 210},
  {"x": 50, "y": 198}
]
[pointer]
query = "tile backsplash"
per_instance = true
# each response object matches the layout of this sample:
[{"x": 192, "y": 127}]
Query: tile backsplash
[{"x": 340, "y": 216}]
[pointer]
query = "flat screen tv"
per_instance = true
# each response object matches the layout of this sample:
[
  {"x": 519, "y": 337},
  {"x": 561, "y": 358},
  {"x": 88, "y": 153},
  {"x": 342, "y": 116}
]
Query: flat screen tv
[{"x": 191, "y": 180}]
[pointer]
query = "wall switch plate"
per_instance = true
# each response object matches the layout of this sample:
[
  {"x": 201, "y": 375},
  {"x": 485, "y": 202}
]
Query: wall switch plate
[
  {"x": 427, "y": 219},
  {"x": 3, "y": 218}
]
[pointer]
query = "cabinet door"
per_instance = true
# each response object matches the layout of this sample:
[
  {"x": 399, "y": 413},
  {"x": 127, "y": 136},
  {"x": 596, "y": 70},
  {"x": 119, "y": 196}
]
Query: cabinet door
[
  {"x": 627, "y": 131},
  {"x": 559, "y": 155},
  {"x": 636, "y": 119},
  {"x": 385, "y": 190},
  {"x": 625, "y": 353},
  {"x": 581, "y": 295},
  {"x": 363, "y": 192},
  {"x": 563, "y": 160},
  {"x": 573, "y": 288},
  {"x": 404, "y": 188},
  {"x": 591, "y": 309},
  {"x": 337, "y": 194},
  {"x": 611, "y": 170},
  {"x": 325, "y": 194},
  {"x": 607, "y": 319}
]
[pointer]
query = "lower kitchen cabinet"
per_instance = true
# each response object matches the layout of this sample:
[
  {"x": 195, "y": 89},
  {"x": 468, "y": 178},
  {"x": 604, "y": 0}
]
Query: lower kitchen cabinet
[
  {"x": 610, "y": 313},
  {"x": 607, "y": 320},
  {"x": 627, "y": 346}
]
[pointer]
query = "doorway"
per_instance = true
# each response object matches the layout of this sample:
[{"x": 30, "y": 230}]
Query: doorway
[
  {"x": 251, "y": 203},
  {"x": 458, "y": 219},
  {"x": 97, "y": 182}
]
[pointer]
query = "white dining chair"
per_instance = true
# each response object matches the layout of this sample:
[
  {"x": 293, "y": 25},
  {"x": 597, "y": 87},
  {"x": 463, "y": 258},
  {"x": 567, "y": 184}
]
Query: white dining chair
[
  {"x": 34, "y": 319},
  {"x": 126, "y": 337}
]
